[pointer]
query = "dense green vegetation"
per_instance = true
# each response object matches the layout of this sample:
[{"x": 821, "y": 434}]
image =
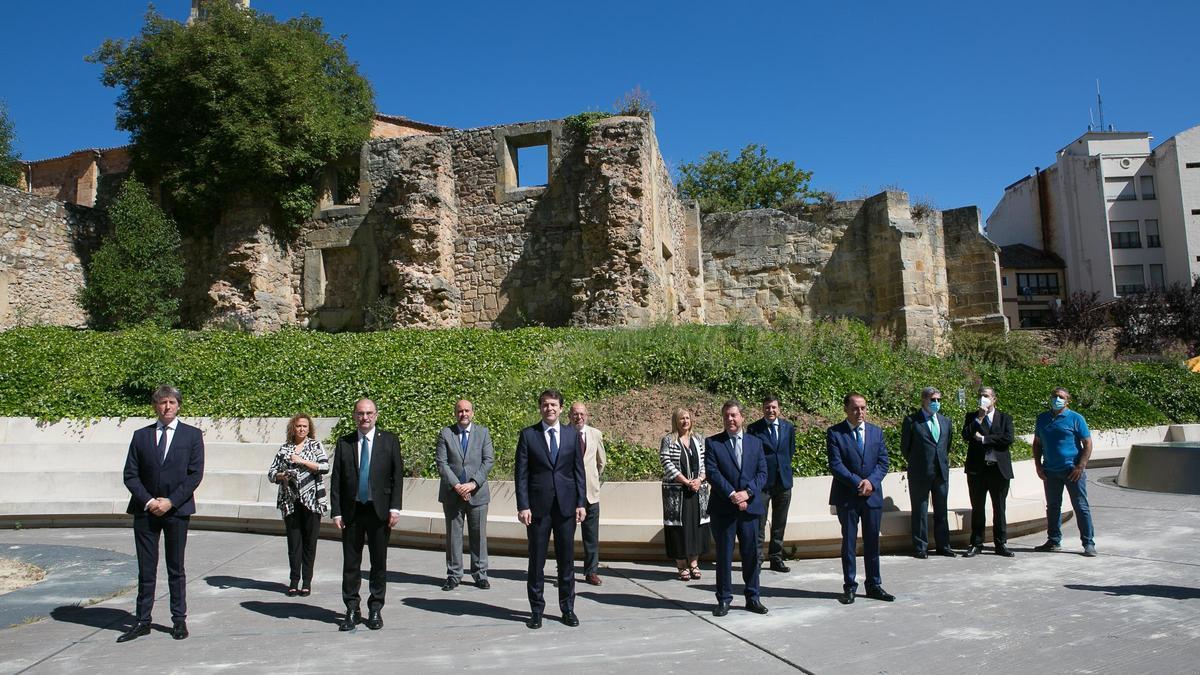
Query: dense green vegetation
[
  {"x": 416, "y": 375},
  {"x": 10, "y": 169},
  {"x": 754, "y": 180}
]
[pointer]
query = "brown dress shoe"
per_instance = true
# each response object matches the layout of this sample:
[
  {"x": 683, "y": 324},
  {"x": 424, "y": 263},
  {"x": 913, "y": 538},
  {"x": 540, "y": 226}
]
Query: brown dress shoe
[{"x": 593, "y": 579}]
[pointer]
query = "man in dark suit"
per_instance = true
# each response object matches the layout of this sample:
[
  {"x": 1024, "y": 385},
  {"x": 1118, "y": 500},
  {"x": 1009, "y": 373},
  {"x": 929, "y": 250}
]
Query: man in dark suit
[
  {"x": 464, "y": 459},
  {"x": 735, "y": 466},
  {"x": 551, "y": 496},
  {"x": 778, "y": 438},
  {"x": 366, "y": 495},
  {"x": 925, "y": 443},
  {"x": 989, "y": 434},
  {"x": 164, "y": 466},
  {"x": 858, "y": 461}
]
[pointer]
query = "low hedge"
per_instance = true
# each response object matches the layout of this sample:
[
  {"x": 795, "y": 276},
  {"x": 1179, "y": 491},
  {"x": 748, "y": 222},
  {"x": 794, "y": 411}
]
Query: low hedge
[{"x": 416, "y": 375}]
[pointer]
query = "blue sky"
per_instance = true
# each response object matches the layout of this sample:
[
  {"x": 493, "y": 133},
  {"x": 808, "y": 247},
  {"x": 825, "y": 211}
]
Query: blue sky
[{"x": 951, "y": 100}]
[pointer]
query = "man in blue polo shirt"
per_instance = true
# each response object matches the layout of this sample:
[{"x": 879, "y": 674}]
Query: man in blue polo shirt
[{"x": 1062, "y": 445}]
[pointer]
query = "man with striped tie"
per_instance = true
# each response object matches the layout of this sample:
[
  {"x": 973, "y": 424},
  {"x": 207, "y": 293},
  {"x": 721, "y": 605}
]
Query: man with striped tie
[{"x": 464, "y": 459}]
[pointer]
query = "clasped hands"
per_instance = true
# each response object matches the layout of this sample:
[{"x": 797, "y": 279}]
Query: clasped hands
[
  {"x": 741, "y": 498},
  {"x": 865, "y": 488},
  {"x": 464, "y": 490},
  {"x": 159, "y": 506}
]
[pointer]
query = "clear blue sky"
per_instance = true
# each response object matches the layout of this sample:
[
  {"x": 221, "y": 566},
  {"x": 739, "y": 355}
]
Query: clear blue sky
[{"x": 952, "y": 100}]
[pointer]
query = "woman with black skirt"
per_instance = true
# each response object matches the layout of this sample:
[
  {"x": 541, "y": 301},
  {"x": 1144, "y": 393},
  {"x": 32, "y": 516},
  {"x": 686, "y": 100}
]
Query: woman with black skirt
[
  {"x": 298, "y": 469},
  {"x": 685, "y": 495}
]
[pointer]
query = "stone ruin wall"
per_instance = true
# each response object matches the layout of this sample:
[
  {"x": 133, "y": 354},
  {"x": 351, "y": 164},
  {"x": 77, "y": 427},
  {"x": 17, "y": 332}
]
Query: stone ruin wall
[
  {"x": 868, "y": 259},
  {"x": 44, "y": 245}
]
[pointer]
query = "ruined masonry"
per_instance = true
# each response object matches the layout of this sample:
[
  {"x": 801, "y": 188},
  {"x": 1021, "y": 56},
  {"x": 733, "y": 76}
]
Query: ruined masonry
[{"x": 444, "y": 233}]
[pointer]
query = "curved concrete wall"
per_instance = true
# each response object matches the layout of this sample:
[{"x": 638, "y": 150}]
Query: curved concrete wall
[{"x": 69, "y": 474}]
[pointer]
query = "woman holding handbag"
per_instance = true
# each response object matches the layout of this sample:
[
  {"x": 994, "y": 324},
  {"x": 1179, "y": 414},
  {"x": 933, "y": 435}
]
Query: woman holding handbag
[
  {"x": 298, "y": 468},
  {"x": 685, "y": 495}
]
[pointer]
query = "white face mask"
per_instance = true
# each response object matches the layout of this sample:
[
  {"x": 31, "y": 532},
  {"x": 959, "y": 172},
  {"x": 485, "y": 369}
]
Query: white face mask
[{"x": 985, "y": 403}]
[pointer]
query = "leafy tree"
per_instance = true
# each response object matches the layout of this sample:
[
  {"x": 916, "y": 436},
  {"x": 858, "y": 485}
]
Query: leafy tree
[
  {"x": 752, "y": 181},
  {"x": 236, "y": 104},
  {"x": 1080, "y": 320},
  {"x": 136, "y": 274},
  {"x": 10, "y": 171}
]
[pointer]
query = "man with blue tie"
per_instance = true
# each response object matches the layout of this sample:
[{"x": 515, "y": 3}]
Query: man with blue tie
[
  {"x": 925, "y": 438},
  {"x": 778, "y": 438},
  {"x": 162, "y": 471},
  {"x": 464, "y": 459},
  {"x": 735, "y": 466},
  {"x": 551, "y": 496},
  {"x": 858, "y": 461},
  {"x": 366, "y": 495}
]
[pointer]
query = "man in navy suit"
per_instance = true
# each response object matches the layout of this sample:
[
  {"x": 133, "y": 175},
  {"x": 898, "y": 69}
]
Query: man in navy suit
[
  {"x": 735, "y": 466},
  {"x": 778, "y": 438},
  {"x": 162, "y": 470},
  {"x": 551, "y": 496},
  {"x": 925, "y": 438},
  {"x": 858, "y": 461}
]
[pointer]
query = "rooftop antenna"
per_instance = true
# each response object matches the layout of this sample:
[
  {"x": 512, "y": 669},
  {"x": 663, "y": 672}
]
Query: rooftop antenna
[
  {"x": 1100, "y": 104},
  {"x": 1091, "y": 119}
]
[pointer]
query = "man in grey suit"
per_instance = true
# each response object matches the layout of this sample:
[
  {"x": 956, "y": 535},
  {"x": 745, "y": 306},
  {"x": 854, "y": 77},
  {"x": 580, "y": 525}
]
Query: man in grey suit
[
  {"x": 925, "y": 443},
  {"x": 464, "y": 459}
]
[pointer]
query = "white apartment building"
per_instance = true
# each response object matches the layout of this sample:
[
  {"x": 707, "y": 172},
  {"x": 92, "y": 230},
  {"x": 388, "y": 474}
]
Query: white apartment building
[{"x": 1122, "y": 217}]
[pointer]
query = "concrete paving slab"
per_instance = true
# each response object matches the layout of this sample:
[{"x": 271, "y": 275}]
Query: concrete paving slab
[{"x": 1135, "y": 608}]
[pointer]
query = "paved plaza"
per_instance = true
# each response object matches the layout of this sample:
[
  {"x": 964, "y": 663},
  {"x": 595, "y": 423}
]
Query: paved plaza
[{"x": 1134, "y": 609}]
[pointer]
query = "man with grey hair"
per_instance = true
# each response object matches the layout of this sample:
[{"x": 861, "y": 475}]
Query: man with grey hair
[
  {"x": 464, "y": 459},
  {"x": 989, "y": 434},
  {"x": 925, "y": 438},
  {"x": 162, "y": 471}
]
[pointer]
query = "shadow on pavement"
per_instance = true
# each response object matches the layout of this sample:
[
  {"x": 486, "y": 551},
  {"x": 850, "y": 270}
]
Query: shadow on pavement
[
  {"x": 644, "y": 601},
  {"x": 109, "y": 618},
  {"x": 395, "y": 577},
  {"x": 293, "y": 610},
  {"x": 225, "y": 581},
  {"x": 1151, "y": 590},
  {"x": 455, "y": 607}
]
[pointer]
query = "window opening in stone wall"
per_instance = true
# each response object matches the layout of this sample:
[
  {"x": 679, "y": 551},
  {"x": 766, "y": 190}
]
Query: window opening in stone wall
[
  {"x": 347, "y": 183},
  {"x": 532, "y": 165}
]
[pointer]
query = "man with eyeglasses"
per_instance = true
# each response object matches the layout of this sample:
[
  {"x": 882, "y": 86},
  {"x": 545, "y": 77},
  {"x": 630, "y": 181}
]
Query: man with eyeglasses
[
  {"x": 365, "y": 499},
  {"x": 925, "y": 438}
]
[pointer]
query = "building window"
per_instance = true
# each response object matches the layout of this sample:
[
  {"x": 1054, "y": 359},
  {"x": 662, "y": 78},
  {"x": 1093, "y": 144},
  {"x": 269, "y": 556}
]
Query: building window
[
  {"x": 1119, "y": 189},
  {"x": 1038, "y": 284},
  {"x": 1147, "y": 186},
  {"x": 1034, "y": 318},
  {"x": 1152, "y": 238},
  {"x": 1004, "y": 281},
  {"x": 1130, "y": 279},
  {"x": 1156, "y": 277},
  {"x": 1124, "y": 234},
  {"x": 1193, "y": 165}
]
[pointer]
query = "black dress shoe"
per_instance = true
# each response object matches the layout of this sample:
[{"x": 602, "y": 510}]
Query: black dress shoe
[
  {"x": 920, "y": 555},
  {"x": 1004, "y": 551},
  {"x": 137, "y": 631},
  {"x": 722, "y": 609},
  {"x": 179, "y": 631},
  {"x": 353, "y": 618},
  {"x": 880, "y": 594},
  {"x": 946, "y": 553},
  {"x": 778, "y": 566},
  {"x": 534, "y": 622},
  {"x": 451, "y": 584},
  {"x": 374, "y": 620},
  {"x": 569, "y": 619},
  {"x": 483, "y": 584},
  {"x": 972, "y": 551},
  {"x": 756, "y": 606},
  {"x": 846, "y": 598}
]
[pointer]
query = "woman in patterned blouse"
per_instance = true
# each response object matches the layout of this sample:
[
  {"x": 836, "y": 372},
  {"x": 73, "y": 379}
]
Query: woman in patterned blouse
[{"x": 298, "y": 469}]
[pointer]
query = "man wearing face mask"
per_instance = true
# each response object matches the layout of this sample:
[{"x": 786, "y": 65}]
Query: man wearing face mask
[
  {"x": 925, "y": 443},
  {"x": 1062, "y": 445},
  {"x": 988, "y": 434}
]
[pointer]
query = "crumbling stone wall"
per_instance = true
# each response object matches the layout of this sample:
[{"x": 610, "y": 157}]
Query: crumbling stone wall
[
  {"x": 44, "y": 247},
  {"x": 972, "y": 273}
]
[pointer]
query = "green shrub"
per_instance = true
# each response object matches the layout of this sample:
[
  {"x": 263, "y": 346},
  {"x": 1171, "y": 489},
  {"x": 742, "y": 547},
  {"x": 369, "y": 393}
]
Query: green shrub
[{"x": 136, "y": 274}]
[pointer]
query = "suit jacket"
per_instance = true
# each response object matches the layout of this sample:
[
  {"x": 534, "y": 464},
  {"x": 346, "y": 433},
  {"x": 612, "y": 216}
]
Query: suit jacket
[
  {"x": 721, "y": 470},
  {"x": 593, "y": 462},
  {"x": 386, "y": 480},
  {"x": 148, "y": 476},
  {"x": 541, "y": 482},
  {"x": 998, "y": 439},
  {"x": 476, "y": 465},
  {"x": 849, "y": 469},
  {"x": 927, "y": 459},
  {"x": 779, "y": 456}
]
